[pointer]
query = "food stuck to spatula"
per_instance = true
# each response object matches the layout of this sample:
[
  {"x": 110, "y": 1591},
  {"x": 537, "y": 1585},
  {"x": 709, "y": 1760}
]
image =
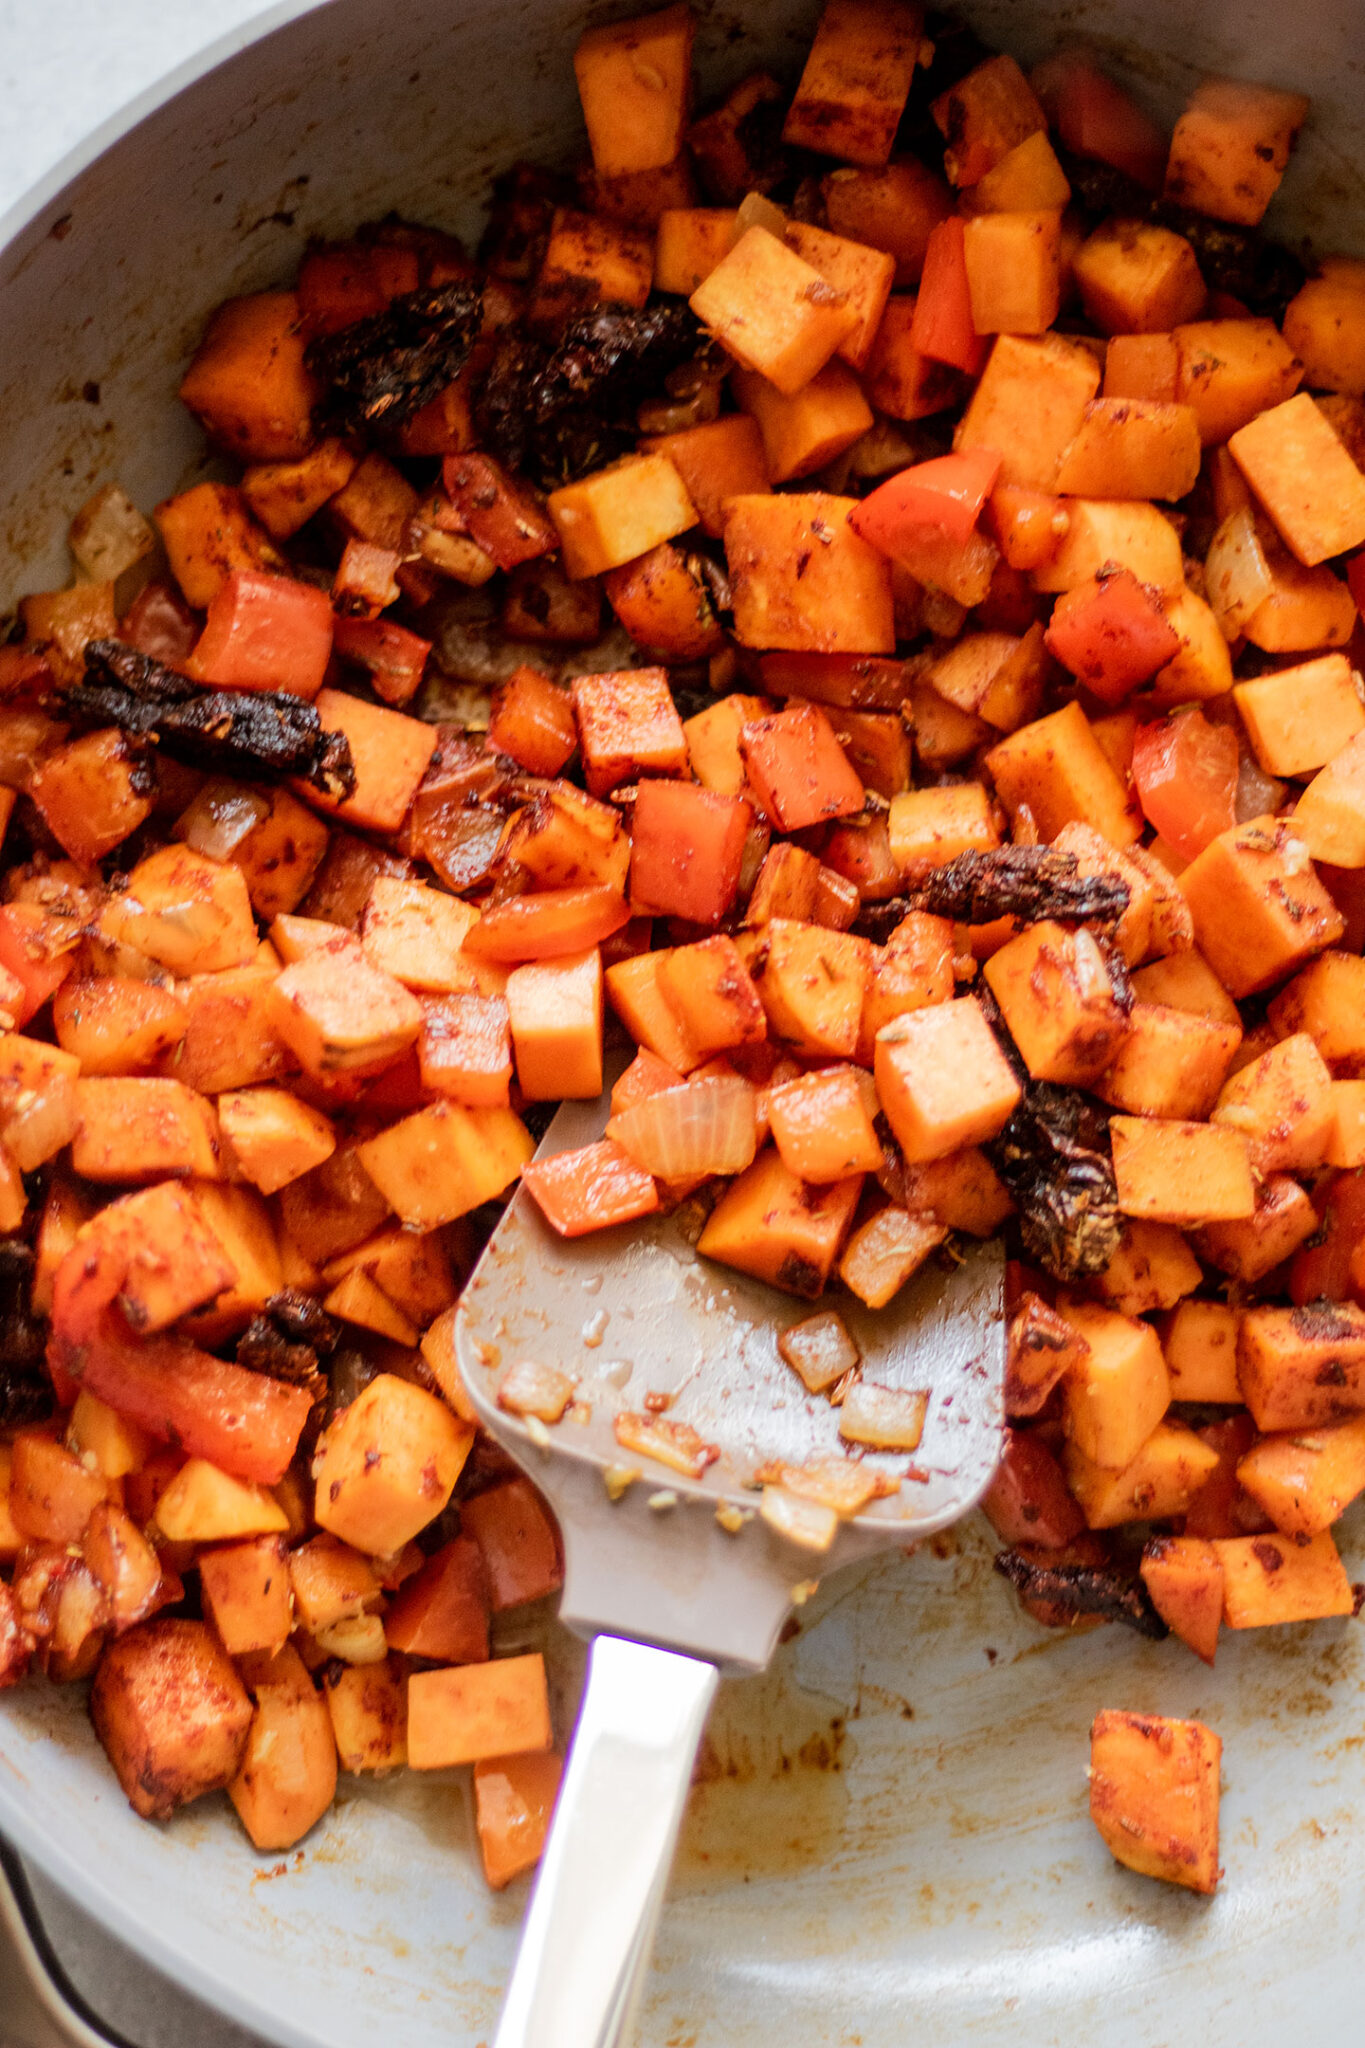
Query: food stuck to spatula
[{"x": 851, "y": 596}]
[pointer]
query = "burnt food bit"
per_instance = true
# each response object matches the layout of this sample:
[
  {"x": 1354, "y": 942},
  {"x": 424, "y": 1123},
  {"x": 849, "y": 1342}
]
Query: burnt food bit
[
  {"x": 1053, "y": 1157},
  {"x": 1084, "y": 1589},
  {"x": 1027, "y": 882},
  {"x": 25, "y": 1389},
  {"x": 266, "y": 733},
  {"x": 561, "y": 409},
  {"x": 289, "y": 1339},
  {"x": 381, "y": 370}
]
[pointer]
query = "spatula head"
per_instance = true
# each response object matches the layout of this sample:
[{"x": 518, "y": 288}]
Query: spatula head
[{"x": 646, "y": 1327}]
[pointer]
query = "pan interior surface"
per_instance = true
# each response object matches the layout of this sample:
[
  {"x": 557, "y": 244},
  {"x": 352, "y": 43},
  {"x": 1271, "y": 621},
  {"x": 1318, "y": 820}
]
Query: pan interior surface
[{"x": 888, "y": 1835}]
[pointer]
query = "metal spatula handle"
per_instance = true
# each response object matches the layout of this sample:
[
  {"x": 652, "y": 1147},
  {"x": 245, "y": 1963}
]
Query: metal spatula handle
[{"x": 591, "y": 1924}]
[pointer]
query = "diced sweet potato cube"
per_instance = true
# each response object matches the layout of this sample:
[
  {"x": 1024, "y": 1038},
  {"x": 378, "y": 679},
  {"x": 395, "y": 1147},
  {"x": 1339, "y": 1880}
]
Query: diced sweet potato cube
[
  {"x": 1171, "y": 1063},
  {"x": 822, "y": 1124},
  {"x": 284, "y": 495},
  {"x": 415, "y": 933},
  {"x": 1184, "y": 1580},
  {"x": 899, "y": 378},
  {"x": 368, "y": 1706},
  {"x": 1299, "y": 1367},
  {"x": 1282, "y": 1105},
  {"x": 712, "y": 994},
  {"x": 1346, "y": 1142},
  {"x": 1259, "y": 909},
  {"x": 811, "y": 983},
  {"x": 804, "y": 580},
  {"x": 1154, "y": 1795},
  {"x": 247, "y": 1594},
  {"x": 1057, "y": 768},
  {"x": 1297, "y": 466},
  {"x": 689, "y": 243},
  {"x": 461, "y": 1715},
  {"x": 1118, "y": 1390},
  {"x": 1200, "y": 1343},
  {"x": 386, "y": 1466},
  {"x": 188, "y": 913},
  {"x": 1137, "y": 278},
  {"x": 288, "y": 1774},
  {"x": 1272, "y": 1579},
  {"x": 1283, "y": 1219},
  {"x": 662, "y": 601},
  {"x": 532, "y": 720},
  {"x": 619, "y": 513},
  {"x": 589, "y": 261},
  {"x": 1141, "y": 366},
  {"x": 1028, "y": 179},
  {"x": 274, "y": 1137},
  {"x": 1151, "y": 1268},
  {"x": 93, "y": 792},
  {"x": 863, "y": 274},
  {"x": 248, "y": 385},
  {"x": 465, "y": 1049},
  {"x": 1173, "y": 1171},
  {"x": 1159, "y": 1483},
  {"x": 773, "y": 311},
  {"x": 634, "y": 80},
  {"x": 1330, "y": 816},
  {"x": 171, "y": 1713},
  {"x": 1132, "y": 448},
  {"x": 1305, "y": 1479},
  {"x": 1042, "y": 1347},
  {"x": 1327, "y": 1001},
  {"x": 929, "y": 827},
  {"x": 628, "y": 726},
  {"x": 1057, "y": 998},
  {"x": 1029, "y": 405},
  {"x": 811, "y": 428},
  {"x": 798, "y": 770},
  {"x": 637, "y": 997},
  {"x": 717, "y": 460},
  {"x": 1229, "y": 370},
  {"x": 1300, "y": 718},
  {"x": 141, "y": 1130},
  {"x": 856, "y": 80},
  {"x": 204, "y": 1505},
  {"x": 208, "y": 534},
  {"x": 514, "y": 1799},
  {"x": 1014, "y": 271},
  {"x": 337, "y": 1012},
  {"x": 1230, "y": 148},
  {"x": 942, "y": 1080},
  {"x": 443, "y": 1161},
  {"x": 175, "y": 1260},
  {"x": 555, "y": 1011},
  {"x": 390, "y": 752},
  {"x": 774, "y": 1226}
]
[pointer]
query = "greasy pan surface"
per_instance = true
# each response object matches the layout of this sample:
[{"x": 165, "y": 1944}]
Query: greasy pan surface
[{"x": 889, "y": 1840}]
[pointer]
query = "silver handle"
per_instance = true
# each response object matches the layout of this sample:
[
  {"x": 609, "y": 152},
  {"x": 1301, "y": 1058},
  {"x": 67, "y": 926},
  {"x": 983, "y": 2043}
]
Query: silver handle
[{"x": 591, "y": 1925}]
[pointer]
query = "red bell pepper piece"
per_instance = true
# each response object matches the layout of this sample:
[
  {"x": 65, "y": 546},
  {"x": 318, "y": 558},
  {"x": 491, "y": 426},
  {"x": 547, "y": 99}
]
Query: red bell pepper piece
[
  {"x": 1321, "y": 1270},
  {"x": 943, "y": 498},
  {"x": 942, "y": 326},
  {"x": 350, "y": 281},
  {"x": 500, "y": 514},
  {"x": 687, "y": 848},
  {"x": 851, "y": 682},
  {"x": 160, "y": 624},
  {"x": 800, "y": 773},
  {"x": 591, "y": 1189},
  {"x": 1095, "y": 118},
  {"x": 548, "y": 925},
  {"x": 1112, "y": 633},
  {"x": 1185, "y": 774},
  {"x": 395, "y": 658},
  {"x": 265, "y": 633},
  {"x": 27, "y": 952},
  {"x": 1028, "y": 1501},
  {"x": 241, "y": 1421}
]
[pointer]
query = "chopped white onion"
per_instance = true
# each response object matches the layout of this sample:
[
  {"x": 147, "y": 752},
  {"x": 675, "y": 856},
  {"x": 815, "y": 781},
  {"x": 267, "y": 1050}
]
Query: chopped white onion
[
  {"x": 1236, "y": 573},
  {"x": 682, "y": 1133},
  {"x": 222, "y": 815}
]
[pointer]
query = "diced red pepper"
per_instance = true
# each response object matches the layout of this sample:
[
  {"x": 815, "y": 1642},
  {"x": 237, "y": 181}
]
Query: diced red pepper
[
  {"x": 1095, "y": 118},
  {"x": 265, "y": 633},
  {"x": 350, "y": 281},
  {"x": 533, "y": 722},
  {"x": 850, "y": 682},
  {"x": 1222, "y": 1507},
  {"x": 160, "y": 624},
  {"x": 242, "y": 1421},
  {"x": 945, "y": 496},
  {"x": 1112, "y": 633},
  {"x": 591, "y": 1188},
  {"x": 1185, "y": 774},
  {"x": 800, "y": 773},
  {"x": 21, "y": 669},
  {"x": 687, "y": 847},
  {"x": 395, "y": 658},
  {"x": 501, "y": 514},
  {"x": 544, "y": 927},
  {"x": 1028, "y": 1501},
  {"x": 1321, "y": 1270},
  {"x": 25, "y": 952},
  {"x": 942, "y": 326}
]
